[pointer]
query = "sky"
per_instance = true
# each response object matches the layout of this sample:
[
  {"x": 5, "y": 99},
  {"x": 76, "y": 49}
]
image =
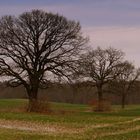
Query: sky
[{"x": 108, "y": 23}]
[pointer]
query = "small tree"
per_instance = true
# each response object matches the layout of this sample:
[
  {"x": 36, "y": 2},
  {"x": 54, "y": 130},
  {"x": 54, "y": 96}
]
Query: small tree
[
  {"x": 101, "y": 66},
  {"x": 125, "y": 82},
  {"x": 37, "y": 44}
]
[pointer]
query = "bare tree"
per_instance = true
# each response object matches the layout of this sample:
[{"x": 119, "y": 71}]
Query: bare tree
[
  {"x": 101, "y": 66},
  {"x": 125, "y": 82},
  {"x": 37, "y": 44}
]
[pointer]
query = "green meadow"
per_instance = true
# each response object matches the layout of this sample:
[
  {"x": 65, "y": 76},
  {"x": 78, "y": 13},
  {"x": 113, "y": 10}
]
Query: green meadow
[{"x": 68, "y": 122}]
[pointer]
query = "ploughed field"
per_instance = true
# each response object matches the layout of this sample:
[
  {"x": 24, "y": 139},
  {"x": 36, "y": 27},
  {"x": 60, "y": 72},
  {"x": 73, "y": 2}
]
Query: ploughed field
[{"x": 67, "y": 122}]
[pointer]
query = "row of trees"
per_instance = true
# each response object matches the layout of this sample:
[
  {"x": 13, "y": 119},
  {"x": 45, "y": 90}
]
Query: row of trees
[
  {"x": 108, "y": 67},
  {"x": 37, "y": 47}
]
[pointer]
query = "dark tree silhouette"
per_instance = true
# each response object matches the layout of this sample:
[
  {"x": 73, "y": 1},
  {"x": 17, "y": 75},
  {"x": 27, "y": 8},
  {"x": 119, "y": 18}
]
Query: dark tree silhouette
[
  {"x": 125, "y": 82},
  {"x": 37, "y": 44},
  {"x": 101, "y": 66}
]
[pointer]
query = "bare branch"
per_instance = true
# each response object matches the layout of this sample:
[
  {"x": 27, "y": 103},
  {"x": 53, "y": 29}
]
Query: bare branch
[{"x": 36, "y": 43}]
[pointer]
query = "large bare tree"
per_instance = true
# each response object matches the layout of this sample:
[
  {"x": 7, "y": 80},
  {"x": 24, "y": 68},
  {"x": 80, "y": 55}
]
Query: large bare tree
[
  {"x": 37, "y": 44},
  {"x": 101, "y": 66}
]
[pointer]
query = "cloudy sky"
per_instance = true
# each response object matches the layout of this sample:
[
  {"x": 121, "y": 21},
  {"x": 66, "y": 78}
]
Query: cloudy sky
[{"x": 113, "y": 23}]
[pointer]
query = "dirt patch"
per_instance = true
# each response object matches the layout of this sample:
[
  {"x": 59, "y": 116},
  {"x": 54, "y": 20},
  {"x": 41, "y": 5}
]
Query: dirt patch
[
  {"x": 35, "y": 127},
  {"x": 48, "y": 128},
  {"x": 121, "y": 132},
  {"x": 127, "y": 130}
]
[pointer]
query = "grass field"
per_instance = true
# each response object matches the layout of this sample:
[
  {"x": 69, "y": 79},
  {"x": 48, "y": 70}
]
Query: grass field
[{"x": 68, "y": 122}]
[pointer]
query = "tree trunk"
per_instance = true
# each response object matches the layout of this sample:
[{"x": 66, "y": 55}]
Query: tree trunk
[
  {"x": 33, "y": 100},
  {"x": 100, "y": 98}
]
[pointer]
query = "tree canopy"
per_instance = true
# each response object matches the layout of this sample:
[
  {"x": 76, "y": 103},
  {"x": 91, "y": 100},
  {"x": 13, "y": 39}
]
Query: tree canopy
[
  {"x": 101, "y": 66},
  {"x": 36, "y": 44}
]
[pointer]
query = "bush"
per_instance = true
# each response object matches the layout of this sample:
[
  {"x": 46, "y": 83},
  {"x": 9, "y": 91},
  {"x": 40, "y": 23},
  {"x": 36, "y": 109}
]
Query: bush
[{"x": 101, "y": 106}]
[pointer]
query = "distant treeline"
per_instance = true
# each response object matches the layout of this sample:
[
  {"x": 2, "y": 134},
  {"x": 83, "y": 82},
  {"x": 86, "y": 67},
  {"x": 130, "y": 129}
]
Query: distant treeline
[{"x": 79, "y": 93}]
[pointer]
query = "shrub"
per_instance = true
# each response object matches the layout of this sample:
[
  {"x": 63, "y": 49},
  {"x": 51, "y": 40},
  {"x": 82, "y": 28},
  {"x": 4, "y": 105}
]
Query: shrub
[{"x": 104, "y": 105}]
